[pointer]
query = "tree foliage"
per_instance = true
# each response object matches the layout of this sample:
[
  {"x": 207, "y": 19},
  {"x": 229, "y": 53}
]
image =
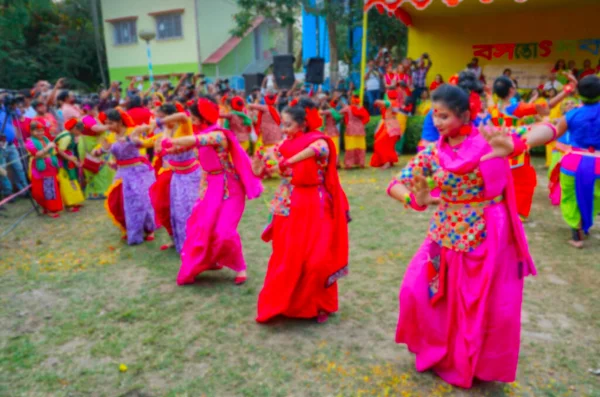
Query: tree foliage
[
  {"x": 46, "y": 39},
  {"x": 389, "y": 32}
]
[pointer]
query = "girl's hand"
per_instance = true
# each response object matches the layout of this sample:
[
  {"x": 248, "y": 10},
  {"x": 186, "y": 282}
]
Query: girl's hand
[
  {"x": 50, "y": 146},
  {"x": 105, "y": 145},
  {"x": 499, "y": 140},
  {"x": 422, "y": 192}
]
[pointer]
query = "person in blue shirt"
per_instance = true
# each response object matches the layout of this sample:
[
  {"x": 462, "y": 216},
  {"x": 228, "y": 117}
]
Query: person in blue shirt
[
  {"x": 580, "y": 168},
  {"x": 9, "y": 154}
]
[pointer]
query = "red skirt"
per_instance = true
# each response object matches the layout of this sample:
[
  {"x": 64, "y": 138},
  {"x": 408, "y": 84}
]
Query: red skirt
[
  {"x": 297, "y": 276},
  {"x": 46, "y": 193},
  {"x": 384, "y": 149},
  {"x": 115, "y": 206},
  {"x": 525, "y": 181},
  {"x": 160, "y": 195}
]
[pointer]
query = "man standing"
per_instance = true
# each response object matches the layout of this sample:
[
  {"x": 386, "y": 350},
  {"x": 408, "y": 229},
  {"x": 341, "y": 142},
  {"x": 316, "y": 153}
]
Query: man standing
[
  {"x": 419, "y": 76},
  {"x": 373, "y": 86},
  {"x": 9, "y": 154}
]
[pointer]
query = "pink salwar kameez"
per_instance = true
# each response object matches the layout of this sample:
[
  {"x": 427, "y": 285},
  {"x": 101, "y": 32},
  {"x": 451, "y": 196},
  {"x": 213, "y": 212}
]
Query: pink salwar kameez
[{"x": 460, "y": 300}]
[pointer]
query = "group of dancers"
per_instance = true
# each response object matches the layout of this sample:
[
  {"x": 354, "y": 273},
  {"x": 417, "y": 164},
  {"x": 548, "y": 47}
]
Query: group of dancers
[{"x": 461, "y": 296}]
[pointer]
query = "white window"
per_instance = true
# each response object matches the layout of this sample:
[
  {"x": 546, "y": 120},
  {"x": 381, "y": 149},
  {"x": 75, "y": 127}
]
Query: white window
[
  {"x": 168, "y": 26},
  {"x": 125, "y": 32}
]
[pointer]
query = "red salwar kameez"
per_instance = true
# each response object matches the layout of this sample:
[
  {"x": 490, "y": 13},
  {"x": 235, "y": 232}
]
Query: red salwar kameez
[
  {"x": 309, "y": 233},
  {"x": 44, "y": 176}
]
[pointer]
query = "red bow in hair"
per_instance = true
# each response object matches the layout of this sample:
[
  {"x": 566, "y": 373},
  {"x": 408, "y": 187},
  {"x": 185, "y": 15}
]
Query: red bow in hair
[
  {"x": 313, "y": 119},
  {"x": 190, "y": 103},
  {"x": 392, "y": 95},
  {"x": 355, "y": 100},
  {"x": 102, "y": 117},
  {"x": 294, "y": 102},
  {"x": 157, "y": 104},
  {"x": 333, "y": 104},
  {"x": 126, "y": 118},
  {"x": 453, "y": 80},
  {"x": 237, "y": 103},
  {"x": 69, "y": 124},
  {"x": 474, "y": 105},
  {"x": 208, "y": 110},
  {"x": 224, "y": 99},
  {"x": 179, "y": 107}
]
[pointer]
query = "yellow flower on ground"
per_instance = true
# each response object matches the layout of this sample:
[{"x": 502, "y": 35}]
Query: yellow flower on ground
[{"x": 123, "y": 368}]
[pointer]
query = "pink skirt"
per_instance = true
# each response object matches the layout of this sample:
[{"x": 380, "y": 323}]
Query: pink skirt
[{"x": 474, "y": 330}]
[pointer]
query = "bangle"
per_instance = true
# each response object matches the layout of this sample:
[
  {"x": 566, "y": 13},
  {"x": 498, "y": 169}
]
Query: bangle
[
  {"x": 412, "y": 203},
  {"x": 393, "y": 183},
  {"x": 554, "y": 130},
  {"x": 159, "y": 123}
]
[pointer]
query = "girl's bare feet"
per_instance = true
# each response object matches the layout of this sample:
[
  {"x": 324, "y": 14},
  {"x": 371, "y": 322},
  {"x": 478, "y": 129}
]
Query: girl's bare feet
[
  {"x": 240, "y": 278},
  {"x": 576, "y": 244}
]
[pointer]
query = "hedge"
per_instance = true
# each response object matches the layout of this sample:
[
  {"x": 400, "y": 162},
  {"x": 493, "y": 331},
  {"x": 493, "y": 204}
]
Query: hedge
[{"x": 412, "y": 136}]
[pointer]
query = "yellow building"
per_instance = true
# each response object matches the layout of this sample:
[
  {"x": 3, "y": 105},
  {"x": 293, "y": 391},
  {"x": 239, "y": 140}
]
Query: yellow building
[
  {"x": 191, "y": 36},
  {"x": 526, "y": 36}
]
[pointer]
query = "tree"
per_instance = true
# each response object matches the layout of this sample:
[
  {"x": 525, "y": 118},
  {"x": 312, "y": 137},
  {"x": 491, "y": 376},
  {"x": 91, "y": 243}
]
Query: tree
[
  {"x": 287, "y": 11},
  {"x": 389, "y": 32},
  {"x": 46, "y": 39}
]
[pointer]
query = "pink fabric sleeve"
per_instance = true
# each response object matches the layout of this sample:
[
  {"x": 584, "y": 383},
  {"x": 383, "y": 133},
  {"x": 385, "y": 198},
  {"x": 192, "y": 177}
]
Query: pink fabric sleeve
[
  {"x": 494, "y": 177},
  {"x": 89, "y": 122},
  {"x": 30, "y": 147}
]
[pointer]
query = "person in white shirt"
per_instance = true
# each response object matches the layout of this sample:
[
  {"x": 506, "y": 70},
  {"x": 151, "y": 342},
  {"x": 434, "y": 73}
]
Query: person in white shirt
[{"x": 372, "y": 86}]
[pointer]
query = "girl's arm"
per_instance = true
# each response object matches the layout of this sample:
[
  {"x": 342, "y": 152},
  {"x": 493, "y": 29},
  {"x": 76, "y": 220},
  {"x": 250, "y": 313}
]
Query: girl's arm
[
  {"x": 317, "y": 148},
  {"x": 541, "y": 134},
  {"x": 175, "y": 118},
  {"x": 214, "y": 138},
  {"x": 135, "y": 136}
]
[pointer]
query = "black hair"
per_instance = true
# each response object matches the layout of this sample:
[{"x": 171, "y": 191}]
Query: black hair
[
  {"x": 146, "y": 101},
  {"x": 305, "y": 102},
  {"x": 79, "y": 126},
  {"x": 469, "y": 82},
  {"x": 502, "y": 86},
  {"x": 455, "y": 99},
  {"x": 113, "y": 115},
  {"x": 64, "y": 94},
  {"x": 589, "y": 87},
  {"x": 194, "y": 108},
  {"x": 556, "y": 65},
  {"x": 297, "y": 113},
  {"x": 26, "y": 92},
  {"x": 36, "y": 103},
  {"x": 507, "y": 70},
  {"x": 135, "y": 102},
  {"x": 168, "y": 109}
]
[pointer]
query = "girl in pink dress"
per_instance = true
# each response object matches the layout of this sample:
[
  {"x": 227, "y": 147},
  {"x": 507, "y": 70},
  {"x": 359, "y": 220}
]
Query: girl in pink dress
[
  {"x": 212, "y": 240},
  {"x": 460, "y": 300}
]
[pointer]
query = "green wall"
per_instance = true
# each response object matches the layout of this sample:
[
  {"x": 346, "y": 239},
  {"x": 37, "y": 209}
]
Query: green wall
[
  {"x": 238, "y": 59},
  {"x": 119, "y": 74}
]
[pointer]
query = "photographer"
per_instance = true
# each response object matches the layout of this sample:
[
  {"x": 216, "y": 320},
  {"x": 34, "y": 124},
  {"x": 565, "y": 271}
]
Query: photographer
[{"x": 9, "y": 154}]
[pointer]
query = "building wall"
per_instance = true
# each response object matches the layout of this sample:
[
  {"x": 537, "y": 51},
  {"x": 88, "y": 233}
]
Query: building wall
[
  {"x": 449, "y": 40},
  {"x": 216, "y": 22},
  {"x": 167, "y": 52},
  {"x": 236, "y": 61}
]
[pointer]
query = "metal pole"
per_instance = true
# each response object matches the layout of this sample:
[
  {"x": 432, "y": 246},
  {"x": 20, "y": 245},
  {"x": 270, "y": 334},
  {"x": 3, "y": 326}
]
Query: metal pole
[
  {"x": 363, "y": 61},
  {"x": 149, "y": 54}
]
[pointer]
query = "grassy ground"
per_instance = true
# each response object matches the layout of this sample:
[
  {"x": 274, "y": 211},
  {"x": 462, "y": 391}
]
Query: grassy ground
[{"x": 76, "y": 302}]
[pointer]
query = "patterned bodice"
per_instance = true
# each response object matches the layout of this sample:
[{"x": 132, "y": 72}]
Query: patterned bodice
[
  {"x": 124, "y": 150},
  {"x": 458, "y": 223},
  {"x": 213, "y": 153},
  {"x": 280, "y": 205}
]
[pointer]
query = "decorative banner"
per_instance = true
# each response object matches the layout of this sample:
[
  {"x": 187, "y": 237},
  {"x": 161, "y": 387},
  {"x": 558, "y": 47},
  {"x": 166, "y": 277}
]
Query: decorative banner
[
  {"x": 390, "y": 6},
  {"x": 542, "y": 49}
]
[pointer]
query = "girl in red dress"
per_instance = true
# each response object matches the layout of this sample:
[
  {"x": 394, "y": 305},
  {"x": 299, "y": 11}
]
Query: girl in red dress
[{"x": 309, "y": 229}]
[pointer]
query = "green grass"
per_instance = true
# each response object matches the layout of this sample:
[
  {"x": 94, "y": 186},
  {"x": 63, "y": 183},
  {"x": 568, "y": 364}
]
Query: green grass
[{"x": 76, "y": 302}]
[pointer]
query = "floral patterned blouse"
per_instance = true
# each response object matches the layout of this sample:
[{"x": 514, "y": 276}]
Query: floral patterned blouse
[
  {"x": 459, "y": 222},
  {"x": 280, "y": 205},
  {"x": 218, "y": 141}
]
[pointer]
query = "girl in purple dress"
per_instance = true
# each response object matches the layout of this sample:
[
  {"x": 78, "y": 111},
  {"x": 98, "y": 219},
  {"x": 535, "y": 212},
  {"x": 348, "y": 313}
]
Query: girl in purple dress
[
  {"x": 128, "y": 199},
  {"x": 184, "y": 187}
]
